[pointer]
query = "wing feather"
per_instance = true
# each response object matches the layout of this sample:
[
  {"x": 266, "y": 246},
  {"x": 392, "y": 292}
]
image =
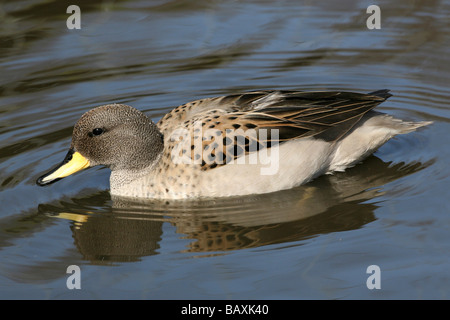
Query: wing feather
[{"x": 327, "y": 115}]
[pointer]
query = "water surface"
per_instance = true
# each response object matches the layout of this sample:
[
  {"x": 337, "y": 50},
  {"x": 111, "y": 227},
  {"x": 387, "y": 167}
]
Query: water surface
[{"x": 312, "y": 242}]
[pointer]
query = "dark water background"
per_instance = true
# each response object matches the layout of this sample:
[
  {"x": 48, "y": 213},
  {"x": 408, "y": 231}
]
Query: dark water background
[{"x": 315, "y": 241}]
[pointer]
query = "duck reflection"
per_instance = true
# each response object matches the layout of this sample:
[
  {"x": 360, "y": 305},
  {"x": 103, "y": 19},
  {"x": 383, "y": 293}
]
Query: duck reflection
[{"x": 133, "y": 228}]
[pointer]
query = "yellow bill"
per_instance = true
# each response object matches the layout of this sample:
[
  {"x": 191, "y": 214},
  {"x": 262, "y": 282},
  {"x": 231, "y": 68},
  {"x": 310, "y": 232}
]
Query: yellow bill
[{"x": 73, "y": 162}]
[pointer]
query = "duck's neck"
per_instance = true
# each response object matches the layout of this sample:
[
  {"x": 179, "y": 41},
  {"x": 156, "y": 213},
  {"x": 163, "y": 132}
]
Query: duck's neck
[
  {"x": 142, "y": 155},
  {"x": 128, "y": 179}
]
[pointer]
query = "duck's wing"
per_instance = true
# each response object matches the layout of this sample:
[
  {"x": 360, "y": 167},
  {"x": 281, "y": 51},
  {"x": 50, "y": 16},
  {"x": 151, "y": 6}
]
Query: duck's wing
[{"x": 272, "y": 117}]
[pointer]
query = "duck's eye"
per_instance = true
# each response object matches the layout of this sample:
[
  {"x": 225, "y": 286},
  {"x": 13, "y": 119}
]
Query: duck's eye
[{"x": 97, "y": 131}]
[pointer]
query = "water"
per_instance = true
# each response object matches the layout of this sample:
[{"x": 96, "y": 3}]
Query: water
[{"x": 312, "y": 242}]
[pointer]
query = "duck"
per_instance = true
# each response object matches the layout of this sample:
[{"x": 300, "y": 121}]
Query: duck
[{"x": 233, "y": 145}]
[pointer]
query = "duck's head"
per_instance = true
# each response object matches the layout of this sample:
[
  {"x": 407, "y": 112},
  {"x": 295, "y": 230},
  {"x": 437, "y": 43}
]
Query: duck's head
[{"x": 117, "y": 136}]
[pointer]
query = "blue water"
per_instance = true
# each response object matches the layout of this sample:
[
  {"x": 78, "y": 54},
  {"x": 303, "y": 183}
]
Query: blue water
[{"x": 313, "y": 242}]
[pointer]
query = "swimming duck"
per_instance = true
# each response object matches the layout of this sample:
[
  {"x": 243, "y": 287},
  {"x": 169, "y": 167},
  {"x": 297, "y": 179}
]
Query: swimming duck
[{"x": 247, "y": 143}]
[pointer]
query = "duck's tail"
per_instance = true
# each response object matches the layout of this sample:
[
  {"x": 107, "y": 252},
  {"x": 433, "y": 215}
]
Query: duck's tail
[
  {"x": 397, "y": 125},
  {"x": 403, "y": 127}
]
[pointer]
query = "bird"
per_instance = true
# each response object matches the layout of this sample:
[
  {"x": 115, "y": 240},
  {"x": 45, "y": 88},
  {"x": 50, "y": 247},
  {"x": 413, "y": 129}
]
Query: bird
[{"x": 253, "y": 142}]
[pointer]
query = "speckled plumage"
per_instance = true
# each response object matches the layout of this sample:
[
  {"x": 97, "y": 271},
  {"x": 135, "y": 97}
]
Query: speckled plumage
[{"x": 205, "y": 148}]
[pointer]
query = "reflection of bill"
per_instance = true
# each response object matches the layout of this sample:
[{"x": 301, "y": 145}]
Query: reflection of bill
[{"x": 213, "y": 148}]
